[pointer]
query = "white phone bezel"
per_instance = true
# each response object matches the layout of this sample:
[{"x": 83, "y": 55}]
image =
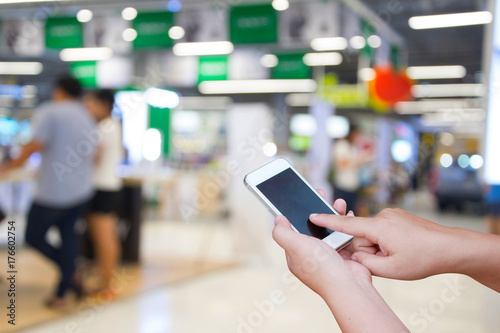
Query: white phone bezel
[{"x": 336, "y": 240}]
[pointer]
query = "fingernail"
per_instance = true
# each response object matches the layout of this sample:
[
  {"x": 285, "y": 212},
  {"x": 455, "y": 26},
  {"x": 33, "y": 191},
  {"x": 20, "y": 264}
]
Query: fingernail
[
  {"x": 277, "y": 219},
  {"x": 313, "y": 215},
  {"x": 350, "y": 213},
  {"x": 354, "y": 258}
]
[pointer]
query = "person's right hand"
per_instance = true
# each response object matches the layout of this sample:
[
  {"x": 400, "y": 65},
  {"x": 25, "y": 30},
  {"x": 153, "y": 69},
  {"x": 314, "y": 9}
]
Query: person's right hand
[{"x": 396, "y": 244}]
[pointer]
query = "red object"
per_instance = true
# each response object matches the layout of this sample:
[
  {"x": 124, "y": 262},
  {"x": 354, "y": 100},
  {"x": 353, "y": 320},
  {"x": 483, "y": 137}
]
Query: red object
[{"x": 390, "y": 86}]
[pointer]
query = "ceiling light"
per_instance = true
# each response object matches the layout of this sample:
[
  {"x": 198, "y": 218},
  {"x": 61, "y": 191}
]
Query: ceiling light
[
  {"x": 446, "y": 160},
  {"x": 303, "y": 124},
  {"x": 280, "y": 5},
  {"x": 435, "y": 72},
  {"x": 129, "y": 34},
  {"x": 449, "y": 20},
  {"x": 205, "y": 103},
  {"x": 256, "y": 86},
  {"x": 129, "y": 13},
  {"x": 203, "y": 48},
  {"x": 357, "y": 42},
  {"x": 86, "y": 54},
  {"x": 425, "y": 106},
  {"x": 337, "y": 127},
  {"x": 8, "y": 2},
  {"x": 453, "y": 118},
  {"x": 84, "y": 15},
  {"x": 447, "y": 139},
  {"x": 176, "y": 32},
  {"x": 329, "y": 44},
  {"x": 366, "y": 74},
  {"x": 448, "y": 90},
  {"x": 20, "y": 68},
  {"x": 161, "y": 98},
  {"x": 322, "y": 59},
  {"x": 463, "y": 161},
  {"x": 374, "y": 41},
  {"x": 269, "y": 149},
  {"x": 299, "y": 99},
  {"x": 269, "y": 60},
  {"x": 476, "y": 161}
]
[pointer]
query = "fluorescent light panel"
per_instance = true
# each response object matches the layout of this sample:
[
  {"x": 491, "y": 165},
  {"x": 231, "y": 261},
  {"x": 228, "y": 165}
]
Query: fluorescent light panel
[
  {"x": 299, "y": 99},
  {"x": 256, "y": 86},
  {"x": 205, "y": 103},
  {"x": 329, "y": 44},
  {"x": 426, "y": 106},
  {"x": 449, "y": 20},
  {"x": 203, "y": 48},
  {"x": 448, "y": 90},
  {"x": 436, "y": 72},
  {"x": 453, "y": 118},
  {"x": 20, "y": 68},
  {"x": 322, "y": 59},
  {"x": 8, "y": 2},
  {"x": 86, "y": 54}
]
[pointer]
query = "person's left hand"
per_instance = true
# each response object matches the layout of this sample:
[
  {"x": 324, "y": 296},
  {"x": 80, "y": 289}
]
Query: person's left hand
[{"x": 314, "y": 262}]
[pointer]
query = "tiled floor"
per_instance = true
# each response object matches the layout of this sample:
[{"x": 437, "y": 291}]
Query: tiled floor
[{"x": 237, "y": 299}]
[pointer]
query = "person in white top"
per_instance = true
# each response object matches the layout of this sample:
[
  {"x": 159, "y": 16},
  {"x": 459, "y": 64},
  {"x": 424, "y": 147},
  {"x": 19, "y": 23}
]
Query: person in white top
[
  {"x": 348, "y": 159},
  {"x": 102, "y": 216}
]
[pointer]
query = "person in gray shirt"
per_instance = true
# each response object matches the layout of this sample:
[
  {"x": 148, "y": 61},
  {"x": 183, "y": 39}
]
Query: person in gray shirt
[{"x": 65, "y": 135}]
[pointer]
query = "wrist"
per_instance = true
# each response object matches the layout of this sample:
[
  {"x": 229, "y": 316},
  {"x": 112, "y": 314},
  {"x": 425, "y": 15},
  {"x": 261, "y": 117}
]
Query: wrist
[
  {"x": 347, "y": 284},
  {"x": 451, "y": 251}
]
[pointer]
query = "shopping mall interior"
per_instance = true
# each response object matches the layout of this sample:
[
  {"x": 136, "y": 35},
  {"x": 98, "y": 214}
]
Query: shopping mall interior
[{"x": 381, "y": 103}]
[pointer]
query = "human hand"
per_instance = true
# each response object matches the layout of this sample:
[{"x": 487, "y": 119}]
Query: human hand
[
  {"x": 314, "y": 262},
  {"x": 345, "y": 285},
  {"x": 396, "y": 244}
]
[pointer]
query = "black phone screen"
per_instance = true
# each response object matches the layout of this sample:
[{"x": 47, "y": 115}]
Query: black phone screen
[{"x": 295, "y": 200}]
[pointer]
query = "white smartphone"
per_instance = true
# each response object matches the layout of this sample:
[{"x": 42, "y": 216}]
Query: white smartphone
[{"x": 285, "y": 192}]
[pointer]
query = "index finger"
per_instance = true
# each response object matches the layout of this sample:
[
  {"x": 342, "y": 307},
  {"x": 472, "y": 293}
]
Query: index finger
[{"x": 354, "y": 226}]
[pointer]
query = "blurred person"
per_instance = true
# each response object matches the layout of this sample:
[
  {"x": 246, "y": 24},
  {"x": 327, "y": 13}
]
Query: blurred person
[
  {"x": 493, "y": 209},
  {"x": 347, "y": 161},
  {"x": 103, "y": 212},
  {"x": 394, "y": 244},
  {"x": 64, "y": 181}
]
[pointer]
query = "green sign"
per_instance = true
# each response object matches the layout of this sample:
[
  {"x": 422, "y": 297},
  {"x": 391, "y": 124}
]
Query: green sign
[
  {"x": 394, "y": 56},
  {"x": 253, "y": 24},
  {"x": 85, "y": 72},
  {"x": 212, "y": 68},
  {"x": 342, "y": 95},
  {"x": 152, "y": 30},
  {"x": 160, "y": 120},
  {"x": 291, "y": 66},
  {"x": 367, "y": 30},
  {"x": 63, "y": 32}
]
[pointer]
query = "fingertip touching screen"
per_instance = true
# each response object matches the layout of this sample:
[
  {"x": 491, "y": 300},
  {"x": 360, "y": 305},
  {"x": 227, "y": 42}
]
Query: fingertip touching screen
[{"x": 295, "y": 200}]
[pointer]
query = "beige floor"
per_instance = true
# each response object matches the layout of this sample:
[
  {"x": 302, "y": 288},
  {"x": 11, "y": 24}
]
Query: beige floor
[{"x": 237, "y": 299}]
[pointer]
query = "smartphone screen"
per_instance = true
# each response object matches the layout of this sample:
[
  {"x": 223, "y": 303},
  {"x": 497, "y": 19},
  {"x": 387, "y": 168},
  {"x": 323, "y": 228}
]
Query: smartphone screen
[{"x": 295, "y": 200}]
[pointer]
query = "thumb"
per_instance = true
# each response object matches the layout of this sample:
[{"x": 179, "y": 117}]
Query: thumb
[
  {"x": 378, "y": 265},
  {"x": 283, "y": 233}
]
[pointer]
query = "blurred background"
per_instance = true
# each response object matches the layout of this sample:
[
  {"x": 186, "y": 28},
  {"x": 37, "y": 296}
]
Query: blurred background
[{"x": 207, "y": 91}]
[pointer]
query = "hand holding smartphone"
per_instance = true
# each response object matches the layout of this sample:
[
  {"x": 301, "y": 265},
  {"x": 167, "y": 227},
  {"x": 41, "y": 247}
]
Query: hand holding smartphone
[{"x": 285, "y": 192}]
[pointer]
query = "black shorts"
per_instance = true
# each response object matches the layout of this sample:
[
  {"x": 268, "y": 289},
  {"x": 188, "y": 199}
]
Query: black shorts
[{"x": 105, "y": 202}]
